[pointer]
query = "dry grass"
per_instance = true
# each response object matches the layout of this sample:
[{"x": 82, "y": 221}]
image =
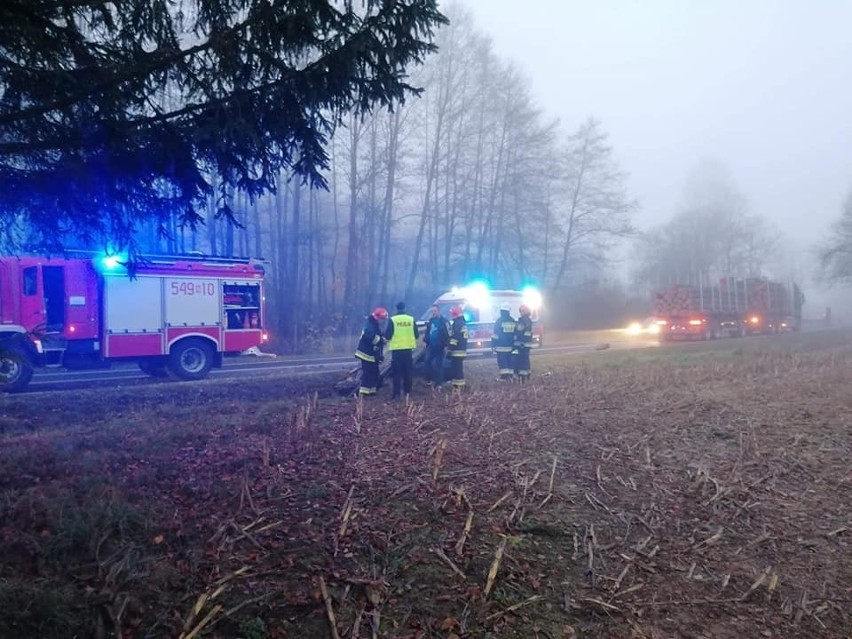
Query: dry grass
[{"x": 698, "y": 491}]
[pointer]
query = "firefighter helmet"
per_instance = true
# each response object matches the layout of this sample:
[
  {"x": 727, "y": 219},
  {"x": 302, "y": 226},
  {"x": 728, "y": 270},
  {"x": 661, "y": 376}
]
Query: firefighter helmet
[
  {"x": 524, "y": 309},
  {"x": 456, "y": 312},
  {"x": 380, "y": 313},
  {"x": 505, "y": 307}
]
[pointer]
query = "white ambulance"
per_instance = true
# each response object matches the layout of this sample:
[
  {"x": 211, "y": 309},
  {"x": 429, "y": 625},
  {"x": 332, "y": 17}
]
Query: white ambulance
[{"x": 481, "y": 307}]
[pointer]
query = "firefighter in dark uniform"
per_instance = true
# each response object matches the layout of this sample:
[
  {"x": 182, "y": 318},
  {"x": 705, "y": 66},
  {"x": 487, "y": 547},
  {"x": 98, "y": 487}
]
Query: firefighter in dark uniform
[
  {"x": 402, "y": 339},
  {"x": 503, "y": 343},
  {"x": 458, "y": 347},
  {"x": 369, "y": 351},
  {"x": 523, "y": 343}
]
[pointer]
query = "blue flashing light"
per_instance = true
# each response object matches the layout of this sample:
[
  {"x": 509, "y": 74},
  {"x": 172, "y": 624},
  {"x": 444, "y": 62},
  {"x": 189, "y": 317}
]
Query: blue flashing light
[{"x": 111, "y": 262}]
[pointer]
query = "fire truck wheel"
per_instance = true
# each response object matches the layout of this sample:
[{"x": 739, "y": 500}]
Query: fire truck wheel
[
  {"x": 153, "y": 368},
  {"x": 191, "y": 359},
  {"x": 16, "y": 370}
]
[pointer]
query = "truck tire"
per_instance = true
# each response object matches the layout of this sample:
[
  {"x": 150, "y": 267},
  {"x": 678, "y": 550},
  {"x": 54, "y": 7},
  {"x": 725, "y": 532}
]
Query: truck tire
[
  {"x": 191, "y": 359},
  {"x": 16, "y": 371},
  {"x": 153, "y": 367}
]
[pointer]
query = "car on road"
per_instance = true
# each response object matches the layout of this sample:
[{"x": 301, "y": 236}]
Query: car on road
[{"x": 648, "y": 326}]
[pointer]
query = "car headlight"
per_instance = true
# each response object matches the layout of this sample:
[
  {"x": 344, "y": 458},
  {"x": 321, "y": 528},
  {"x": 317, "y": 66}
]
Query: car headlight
[{"x": 635, "y": 328}]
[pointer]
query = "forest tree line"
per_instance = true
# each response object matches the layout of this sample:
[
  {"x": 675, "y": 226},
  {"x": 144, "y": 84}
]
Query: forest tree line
[
  {"x": 372, "y": 193},
  {"x": 469, "y": 180}
]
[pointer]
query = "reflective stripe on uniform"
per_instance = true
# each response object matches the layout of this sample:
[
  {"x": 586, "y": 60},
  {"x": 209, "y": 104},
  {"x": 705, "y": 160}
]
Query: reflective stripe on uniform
[
  {"x": 364, "y": 356},
  {"x": 366, "y": 390},
  {"x": 458, "y": 353},
  {"x": 458, "y": 382}
]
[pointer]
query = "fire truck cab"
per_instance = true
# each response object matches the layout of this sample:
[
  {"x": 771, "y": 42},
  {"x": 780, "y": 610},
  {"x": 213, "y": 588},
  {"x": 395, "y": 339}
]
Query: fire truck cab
[
  {"x": 175, "y": 314},
  {"x": 481, "y": 307}
]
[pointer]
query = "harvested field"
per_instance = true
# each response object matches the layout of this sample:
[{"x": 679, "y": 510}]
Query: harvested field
[{"x": 695, "y": 491}]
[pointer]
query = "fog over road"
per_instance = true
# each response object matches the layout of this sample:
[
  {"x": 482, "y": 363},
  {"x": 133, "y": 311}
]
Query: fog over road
[{"x": 52, "y": 379}]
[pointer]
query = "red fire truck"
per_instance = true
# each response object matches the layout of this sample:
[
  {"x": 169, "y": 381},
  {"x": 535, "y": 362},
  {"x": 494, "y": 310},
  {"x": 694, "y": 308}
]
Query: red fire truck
[{"x": 177, "y": 314}]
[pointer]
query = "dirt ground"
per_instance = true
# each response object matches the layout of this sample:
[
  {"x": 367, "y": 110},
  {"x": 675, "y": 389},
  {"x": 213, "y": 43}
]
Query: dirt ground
[{"x": 692, "y": 491}]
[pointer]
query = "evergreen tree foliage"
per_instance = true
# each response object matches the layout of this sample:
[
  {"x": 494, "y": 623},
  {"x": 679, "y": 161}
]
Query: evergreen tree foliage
[{"x": 115, "y": 114}]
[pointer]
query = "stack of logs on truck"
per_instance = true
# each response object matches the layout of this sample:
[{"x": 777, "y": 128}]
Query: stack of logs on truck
[{"x": 732, "y": 308}]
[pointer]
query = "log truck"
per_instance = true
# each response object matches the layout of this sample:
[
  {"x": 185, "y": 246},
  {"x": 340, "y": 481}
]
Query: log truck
[{"x": 734, "y": 307}]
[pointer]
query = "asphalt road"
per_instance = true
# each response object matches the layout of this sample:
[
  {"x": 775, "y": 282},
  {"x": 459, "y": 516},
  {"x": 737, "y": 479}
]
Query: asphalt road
[{"x": 120, "y": 374}]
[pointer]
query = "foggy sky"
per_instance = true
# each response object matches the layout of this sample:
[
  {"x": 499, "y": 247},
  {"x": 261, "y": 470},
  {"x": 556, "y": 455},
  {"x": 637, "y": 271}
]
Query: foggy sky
[{"x": 761, "y": 86}]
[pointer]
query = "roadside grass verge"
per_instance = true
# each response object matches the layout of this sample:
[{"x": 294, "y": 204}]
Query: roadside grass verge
[{"x": 643, "y": 493}]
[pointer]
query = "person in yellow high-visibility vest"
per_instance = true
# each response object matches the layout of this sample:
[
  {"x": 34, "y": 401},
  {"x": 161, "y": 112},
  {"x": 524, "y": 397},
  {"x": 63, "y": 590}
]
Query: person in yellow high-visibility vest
[{"x": 402, "y": 340}]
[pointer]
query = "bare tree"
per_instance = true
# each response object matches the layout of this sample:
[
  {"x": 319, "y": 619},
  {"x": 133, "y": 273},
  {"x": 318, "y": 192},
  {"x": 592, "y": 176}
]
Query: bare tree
[
  {"x": 711, "y": 236},
  {"x": 596, "y": 207},
  {"x": 441, "y": 95},
  {"x": 835, "y": 253},
  {"x": 470, "y": 180},
  {"x": 353, "y": 250}
]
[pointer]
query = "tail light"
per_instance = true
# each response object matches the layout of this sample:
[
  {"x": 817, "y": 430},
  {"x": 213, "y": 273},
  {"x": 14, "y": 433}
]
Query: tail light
[
  {"x": 696, "y": 322},
  {"x": 264, "y": 336}
]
